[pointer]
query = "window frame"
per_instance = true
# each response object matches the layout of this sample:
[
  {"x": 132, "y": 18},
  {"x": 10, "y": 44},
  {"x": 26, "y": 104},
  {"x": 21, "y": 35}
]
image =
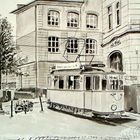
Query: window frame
[
  {"x": 71, "y": 24},
  {"x": 53, "y": 16},
  {"x": 71, "y": 46},
  {"x": 92, "y": 82},
  {"x": 116, "y": 14},
  {"x": 110, "y": 17},
  {"x": 73, "y": 83},
  {"x": 53, "y": 44},
  {"x": 57, "y": 79},
  {"x": 89, "y": 21},
  {"x": 91, "y": 43}
]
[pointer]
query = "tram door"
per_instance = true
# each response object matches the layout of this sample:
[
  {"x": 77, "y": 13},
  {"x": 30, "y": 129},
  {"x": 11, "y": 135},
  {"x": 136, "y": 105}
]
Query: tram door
[{"x": 88, "y": 92}]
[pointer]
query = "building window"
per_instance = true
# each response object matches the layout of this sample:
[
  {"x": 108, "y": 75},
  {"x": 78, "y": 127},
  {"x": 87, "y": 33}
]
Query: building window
[
  {"x": 72, "y": 45},
  {"x": 118, "y": 14},
  {"x": 53, "y": 44},
  {"x": 53, "y": 18},
  {"x": 73, "y": 19},
  {"x": 110, "y": 17},
  {"x": 92, "y": 21},
  {"x": 91, "y": 46},
  {"x": 116, "y": 61}
]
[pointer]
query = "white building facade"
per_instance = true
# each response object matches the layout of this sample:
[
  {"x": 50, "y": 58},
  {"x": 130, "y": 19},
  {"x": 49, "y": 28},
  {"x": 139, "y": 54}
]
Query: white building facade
[{"x": 121, "y": 37}]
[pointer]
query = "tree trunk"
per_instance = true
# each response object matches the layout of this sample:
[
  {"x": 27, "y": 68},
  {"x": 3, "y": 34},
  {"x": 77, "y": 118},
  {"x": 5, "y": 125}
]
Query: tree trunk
[
  {"x": 0, "y": 83},
  {"x": 0, "y": 69},
  {"x": 0, "y": 76}
]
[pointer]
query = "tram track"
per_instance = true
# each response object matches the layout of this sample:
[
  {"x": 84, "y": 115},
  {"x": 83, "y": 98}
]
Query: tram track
[{"x": 101, "y": 120}]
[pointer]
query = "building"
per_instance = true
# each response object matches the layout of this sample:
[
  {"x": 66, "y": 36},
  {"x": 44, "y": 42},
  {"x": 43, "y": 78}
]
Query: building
[
  {"x": 121, "y": 37},
  {"x": 56, "y": 31},
  {"x": 59, "y": 31},
  {"x": 121, "y": 41}
]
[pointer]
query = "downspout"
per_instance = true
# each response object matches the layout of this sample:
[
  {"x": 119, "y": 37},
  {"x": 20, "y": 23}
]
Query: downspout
[{"x": 36, "y": 60}]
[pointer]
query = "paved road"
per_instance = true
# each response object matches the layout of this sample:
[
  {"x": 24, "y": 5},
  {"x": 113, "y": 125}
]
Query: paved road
[{"x": 52, "y": 123}]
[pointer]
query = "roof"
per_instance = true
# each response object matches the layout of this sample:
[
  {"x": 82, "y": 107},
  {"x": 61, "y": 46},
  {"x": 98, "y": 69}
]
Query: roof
[
  {"x": 35, "y": 2},
  {"x": 86, "y": 70}
]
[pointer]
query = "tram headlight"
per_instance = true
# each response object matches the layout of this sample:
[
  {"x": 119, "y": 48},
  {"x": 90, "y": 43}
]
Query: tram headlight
[{"x": 113, "y": 107}]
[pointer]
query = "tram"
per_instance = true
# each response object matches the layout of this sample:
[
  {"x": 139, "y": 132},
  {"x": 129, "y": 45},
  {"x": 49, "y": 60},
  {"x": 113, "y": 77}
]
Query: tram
[{"x": 86, "y": 89}]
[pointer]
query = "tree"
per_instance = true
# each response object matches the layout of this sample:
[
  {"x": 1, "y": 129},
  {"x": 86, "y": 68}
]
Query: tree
[{"x": 7, "y": 49}]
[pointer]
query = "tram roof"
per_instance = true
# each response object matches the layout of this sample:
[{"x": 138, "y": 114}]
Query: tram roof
[{"x": 94, "y": 70}]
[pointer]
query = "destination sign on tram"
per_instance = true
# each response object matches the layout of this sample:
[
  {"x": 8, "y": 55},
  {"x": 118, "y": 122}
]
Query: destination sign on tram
[
  {"x": 113, "y": 77},
  {"x": 67, "y": 66}
]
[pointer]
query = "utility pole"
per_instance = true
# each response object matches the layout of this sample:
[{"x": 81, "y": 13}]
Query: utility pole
[{"x": 11, "y": 108}]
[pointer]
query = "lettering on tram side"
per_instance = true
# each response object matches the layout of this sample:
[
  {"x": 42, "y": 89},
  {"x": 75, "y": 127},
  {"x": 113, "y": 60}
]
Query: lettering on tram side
[{"x": 113, "y": 77}]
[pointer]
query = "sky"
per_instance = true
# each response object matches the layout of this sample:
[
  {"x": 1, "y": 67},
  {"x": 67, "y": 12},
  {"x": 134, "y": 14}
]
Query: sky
[{"x": 6, "y": 6}]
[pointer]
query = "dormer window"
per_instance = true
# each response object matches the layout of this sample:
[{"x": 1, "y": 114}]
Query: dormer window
[
  {"x": 53, "y": 18},
  {"x": 92, "y": 21},
  {"x": 73, "y": 19}
]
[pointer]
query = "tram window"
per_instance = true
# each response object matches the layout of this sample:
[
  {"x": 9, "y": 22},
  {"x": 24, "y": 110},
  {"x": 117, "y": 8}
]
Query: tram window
[
  {"x": 70, "y": 82},
  {"x": 96, "y": 82},
  {"x": 49, "y": 81},
  {"x": 114, "y": 84},
  {"x": 61, "y": 82},
  {"x": 120, "y": 85},
  {"x": 76, "y": 82},
  {"x": 88, "y": 83},
  {"x": 56, "y": 82},
  {"x": 104, "y": 84},
  {"x": 73, "y": 82}
]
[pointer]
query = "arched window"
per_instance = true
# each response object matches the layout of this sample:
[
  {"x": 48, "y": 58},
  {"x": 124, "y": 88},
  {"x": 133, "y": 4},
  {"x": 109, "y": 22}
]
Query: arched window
[
  {"x": 73, "y": 19},
  {"x": 91, "y": 46},
  {"x": 116, "y": 61},
  {"x": 92, "y": 21},
  {"x": 118, "y": 13},
  {"x": 110, "y": 17},
  {"x": 72, "y": 45},
  {"x": 53, "y": 18},
  {"x": 53, "y": 44}
]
